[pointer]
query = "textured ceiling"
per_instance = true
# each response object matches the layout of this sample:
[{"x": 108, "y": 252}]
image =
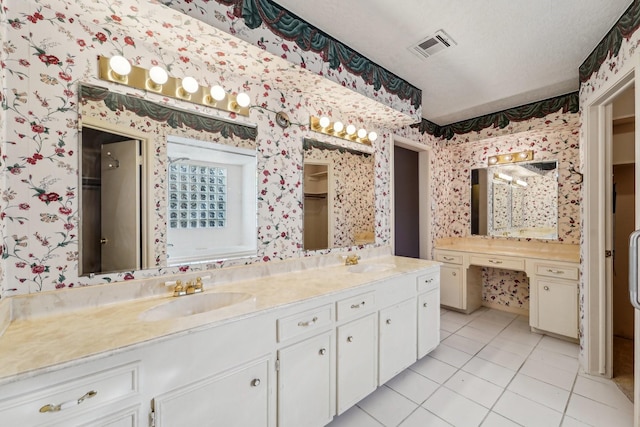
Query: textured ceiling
[{"x": 508, "y": 53}]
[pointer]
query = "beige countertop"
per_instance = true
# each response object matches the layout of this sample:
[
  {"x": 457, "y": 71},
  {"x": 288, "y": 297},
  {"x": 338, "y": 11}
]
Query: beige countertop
[
  {"x": 36, "y": 343},
  {"x": 524, "y": 249}
]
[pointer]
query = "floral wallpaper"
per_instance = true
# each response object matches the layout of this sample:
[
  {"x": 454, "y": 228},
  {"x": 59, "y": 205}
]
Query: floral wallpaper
[
  {"x": 353, "y": 196},
  {"x": 227, "y": 15},
  {"x": 50, "y": 47},
  {"x": 554, "y": 137}
]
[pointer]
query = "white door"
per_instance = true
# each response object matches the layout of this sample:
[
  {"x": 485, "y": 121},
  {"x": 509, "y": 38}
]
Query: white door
[
  {"x": 633, "y": 257},
  {"x": 120, "y": 198}
]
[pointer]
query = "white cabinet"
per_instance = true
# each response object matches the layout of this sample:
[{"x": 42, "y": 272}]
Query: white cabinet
[
  {"x": 451, "y": 286},
  {"x": 306, "y": 382},
  {"x": 554, "y": 298},
  {"x": 238, "y": 397},
  {"x": 428, "y": 322},
  {"x": 397, "y": 335},
  {"x": 357, "y": 364},
  {"x": 100, "y": 393}
]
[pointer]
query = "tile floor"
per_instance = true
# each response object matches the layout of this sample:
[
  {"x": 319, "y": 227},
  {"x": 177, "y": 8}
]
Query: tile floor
[{"x": 491, "y": 370}]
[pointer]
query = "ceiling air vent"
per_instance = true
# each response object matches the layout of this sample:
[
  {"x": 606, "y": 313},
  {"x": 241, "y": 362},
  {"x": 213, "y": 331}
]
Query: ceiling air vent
[{"x": 433, "y": 44}]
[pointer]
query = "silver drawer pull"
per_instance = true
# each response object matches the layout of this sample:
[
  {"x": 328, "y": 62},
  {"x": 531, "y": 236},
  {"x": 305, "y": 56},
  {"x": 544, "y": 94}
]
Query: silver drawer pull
[
  {"x": 322, "y": 351},
  {"x": 493, "y": 261},
  {"x": 428, "y": 281},
  {"x": 554, "y": 271},
  {"x": 308, "y": 322},
  {"x": 448, "y": 258},
  {"x": 357, "y": 305},
  {"x": 546, "y": 288},
  {"x": 255, "y": 382},
  {"x": 60, "y": 406}
]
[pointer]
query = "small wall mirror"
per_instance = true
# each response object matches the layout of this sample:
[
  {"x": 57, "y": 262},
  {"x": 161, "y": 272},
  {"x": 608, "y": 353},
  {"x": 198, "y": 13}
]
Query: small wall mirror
[
  {"x": 161, "y": 186},
  {"x": 515, "y": 200},
  {"x": 338, "y": 196}
]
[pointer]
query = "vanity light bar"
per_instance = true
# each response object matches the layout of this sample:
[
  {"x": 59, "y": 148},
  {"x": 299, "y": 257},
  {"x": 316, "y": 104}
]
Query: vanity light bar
[
  {"x": 325, "y": 126},
  {"x": 522, "y": 156},
  {"x": 157, "y": 80}
]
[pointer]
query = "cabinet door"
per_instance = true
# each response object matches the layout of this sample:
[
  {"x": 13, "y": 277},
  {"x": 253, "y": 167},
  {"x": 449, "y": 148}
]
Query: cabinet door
[
  {"x": 305, "y": 383},
  {"x": 451, "y": 286},
  {"x": 397, "y": 335},
  {"x": 357, "y": 361},
  {"x": 558, "y": 307},
  {"x": 236, "y": 398},
  {"x": 428, "y": 322}
]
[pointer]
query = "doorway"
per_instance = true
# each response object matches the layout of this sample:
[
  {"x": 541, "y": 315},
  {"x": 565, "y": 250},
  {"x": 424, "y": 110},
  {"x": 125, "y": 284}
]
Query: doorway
[
  {"x": 622, "y": 225},
  {"x": 411, "y": 222}
]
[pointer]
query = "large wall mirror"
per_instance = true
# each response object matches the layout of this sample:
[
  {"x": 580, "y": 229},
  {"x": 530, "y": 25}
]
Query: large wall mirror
[
  {"x": 162, "y": 187},
  {"x": 515, "y": 200},
  {"x": 338, "y": 196}
]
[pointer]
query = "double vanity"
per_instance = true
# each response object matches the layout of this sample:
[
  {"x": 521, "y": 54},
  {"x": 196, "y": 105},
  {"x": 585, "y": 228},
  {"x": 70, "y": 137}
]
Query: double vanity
[{"x": 259, "y": 347}]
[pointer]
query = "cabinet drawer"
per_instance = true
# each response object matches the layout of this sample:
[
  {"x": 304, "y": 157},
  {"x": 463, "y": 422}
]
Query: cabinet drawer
[
  {"x": 76, "y": 396},
  {"x": 301, "y": 323},
  {"x": 449, "y": 258},
  {"x": 429, "y": 281},
  {"x": 558, "y": 271},
  {"x": 498, "y": 262},
  {"x": 354, "y": 306}
]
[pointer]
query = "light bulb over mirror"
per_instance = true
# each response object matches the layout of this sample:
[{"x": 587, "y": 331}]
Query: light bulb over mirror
[
  {"x": 190, "y": 85},
  {"x": 217, "y": 92},
  {"x": 120, "y": 65},
  {"x": 324, "y": 122},
  {"x": 243, "y": 100},
  {"x": 351, "y": 129},
  {"x": 338, "y": 127},
  {"x": 158, "y": 75},
  {"x": 362, "y": 134},
  {"x": 373, "y": 136}
]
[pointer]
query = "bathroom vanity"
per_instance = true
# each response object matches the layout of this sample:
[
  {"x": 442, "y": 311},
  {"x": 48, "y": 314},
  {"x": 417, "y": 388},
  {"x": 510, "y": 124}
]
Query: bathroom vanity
[
  {"x": 306, "y": 345},
  {"x": 552, "y": 269}
]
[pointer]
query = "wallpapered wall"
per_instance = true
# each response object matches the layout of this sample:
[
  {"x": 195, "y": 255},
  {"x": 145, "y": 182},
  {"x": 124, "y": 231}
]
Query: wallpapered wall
[
  {"x": 48, "y": 50},
  {"x": 554, "y": 137}
]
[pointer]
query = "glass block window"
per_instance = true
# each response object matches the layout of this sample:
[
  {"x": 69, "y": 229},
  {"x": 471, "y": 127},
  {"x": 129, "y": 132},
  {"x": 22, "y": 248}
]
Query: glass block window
[{"x": 197, "y": 196}]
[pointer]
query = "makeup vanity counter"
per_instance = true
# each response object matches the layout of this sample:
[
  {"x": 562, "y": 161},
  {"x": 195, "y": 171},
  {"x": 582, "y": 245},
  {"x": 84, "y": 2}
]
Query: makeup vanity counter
[
  {"x": 347, "y": 329},
  {"x": 552, "y": 269}
]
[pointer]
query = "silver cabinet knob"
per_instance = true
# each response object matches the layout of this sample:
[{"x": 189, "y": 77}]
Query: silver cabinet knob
[
  {"x": 388, "y": 321},
  {"x": 453, "y": 274},
  {"x": 546, "y": 288},
  {"x": 425, "y": 305},
  {"x": 323, "y": 351},
  {"x": 255, "y": 382},
  {"x": 349, "y": 339}
]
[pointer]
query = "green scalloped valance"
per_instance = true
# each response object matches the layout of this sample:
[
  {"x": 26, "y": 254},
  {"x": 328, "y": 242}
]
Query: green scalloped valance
[
  {"x": 290, "y": 27},
  {"x": 308, "y": 143},
  {"x": 534, "y": 110},
  {"x": 173, "y": 117},
  {"x": 611, "y": 43}
]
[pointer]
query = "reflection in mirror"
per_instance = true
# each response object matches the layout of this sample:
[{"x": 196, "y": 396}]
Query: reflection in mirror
[
  {"x": 515, "y": 200},
  {"x": 126, "y": 189},
  {"x": 338, "y": 196}
]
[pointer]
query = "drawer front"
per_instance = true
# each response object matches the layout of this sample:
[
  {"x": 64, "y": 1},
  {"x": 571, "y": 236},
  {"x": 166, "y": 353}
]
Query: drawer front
[
  {"x": 560, "y": 272},
  {"x": 449, "y": 257},
  {"x": 354, "y": 306},
  {"x": 429, "y": 281},
  {"x": 497, "y": 262},
  {"x": 451, "y": 287},
  {"x": 53, "y": 403},
  {"x": 301, "y": 323}
]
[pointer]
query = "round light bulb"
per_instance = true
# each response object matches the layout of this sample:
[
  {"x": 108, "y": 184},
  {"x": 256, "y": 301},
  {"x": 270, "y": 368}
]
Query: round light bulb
[
  {"x": 324, "y": 122},
  {"x": 120, "y": 65},
  {"x": 523, "y": 155},
  {"x": 217, "y": 92},
  {"x": 351, "y": 129},
  {"x": 338, "y": 127},
  {"x": 493, "y": 160},
  {"x": 158, "y": 75},
  {"x": 362, "y": 133},
  {"x": 373, "y": 136},
  {"x": 243, "y": 99},
  {"x": 190, "y": 85}
]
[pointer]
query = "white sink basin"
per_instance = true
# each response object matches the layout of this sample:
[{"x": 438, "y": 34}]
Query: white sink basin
[
  {"x": 190, "y": 305},
  {"x": 369, "y": 268}
]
